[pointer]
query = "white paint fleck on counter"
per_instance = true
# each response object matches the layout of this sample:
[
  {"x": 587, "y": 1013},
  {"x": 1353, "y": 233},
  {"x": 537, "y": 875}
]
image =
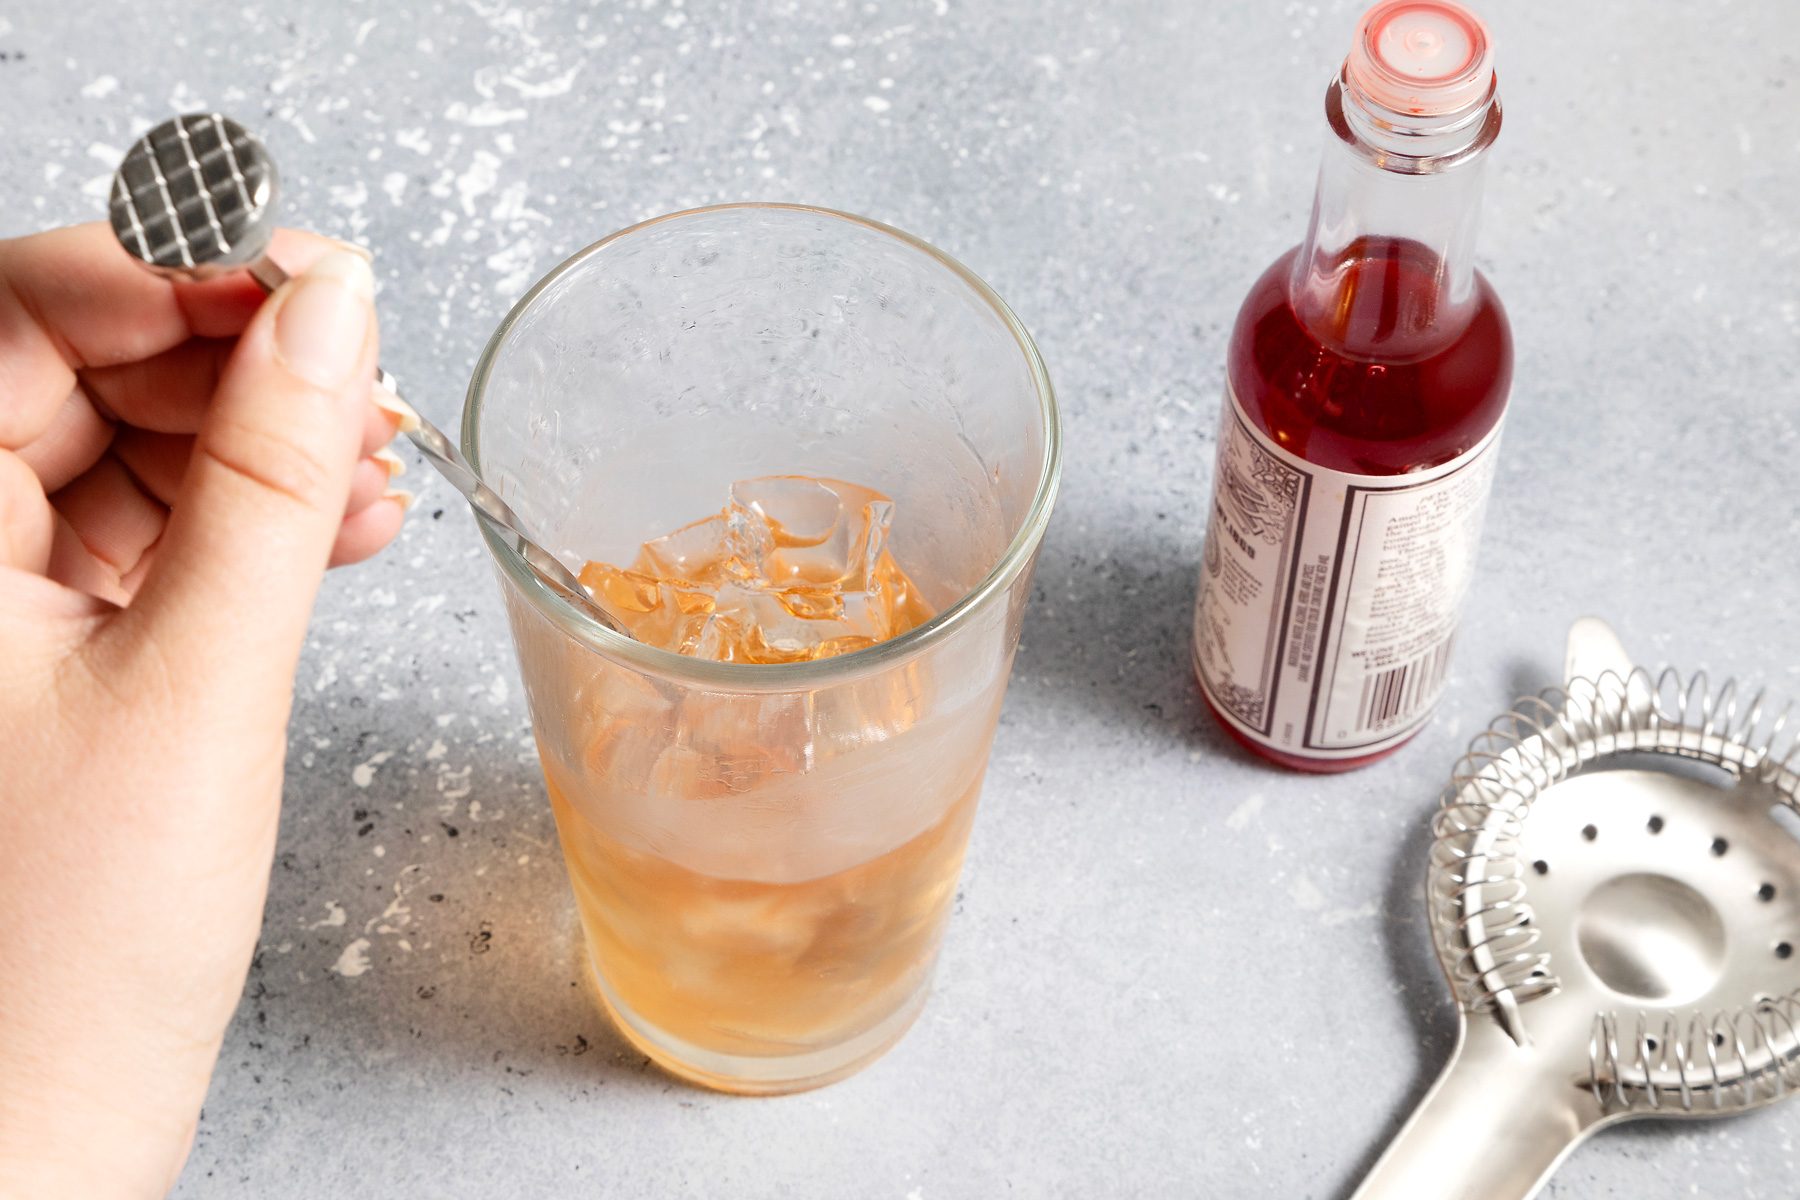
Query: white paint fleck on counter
[
  {"x": 334, "y": 916},
  {"x": 363, "y": 774},
  {"x": 557, "y": 86},
  {"x": 350, "y": 195},
  {"x": 478, "y": 180},
  {"x": 354, "y": 960},
  {"x": 1244, "y": 813},
  {"x": 516, "y": 263},
  {"x": 487, "y": 113}
]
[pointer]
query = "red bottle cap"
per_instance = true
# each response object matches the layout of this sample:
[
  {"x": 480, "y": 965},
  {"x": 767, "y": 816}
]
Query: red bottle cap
[{"x": 1424, "y": 57}]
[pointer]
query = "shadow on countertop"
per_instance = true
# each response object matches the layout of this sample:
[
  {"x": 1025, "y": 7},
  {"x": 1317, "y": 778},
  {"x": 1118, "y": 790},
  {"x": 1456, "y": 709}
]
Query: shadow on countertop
[
  {"x": 474, "y": 967},
  {"x": 1109, "y": 629},
  {"x": 1413, "y": 962}
]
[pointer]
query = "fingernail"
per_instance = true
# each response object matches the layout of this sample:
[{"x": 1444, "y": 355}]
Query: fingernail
[
  {"x": 390, "y": 460},
  {"x": 324, "y": 320},
  {"x": 399, "y": 496},
  {"x": 362, "y": 252},
  {"x": 406, "y": 419}
]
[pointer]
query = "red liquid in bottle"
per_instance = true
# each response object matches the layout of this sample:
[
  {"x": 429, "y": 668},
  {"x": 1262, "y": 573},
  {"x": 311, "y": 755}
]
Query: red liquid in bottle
[{"x": 1374, "y": 383}]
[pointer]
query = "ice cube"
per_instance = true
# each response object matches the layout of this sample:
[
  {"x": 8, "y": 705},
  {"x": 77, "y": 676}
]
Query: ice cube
[
  {"x": 824, "y": 530},
  {"x": 671, "y": 613},
  {"x": 722, "y": 745},
  {"x": 793, "y": 569},
  {"x": 728, "y": 545},
  {"x": 751, "y": 622},
  {"x": 741, "y": 923}
]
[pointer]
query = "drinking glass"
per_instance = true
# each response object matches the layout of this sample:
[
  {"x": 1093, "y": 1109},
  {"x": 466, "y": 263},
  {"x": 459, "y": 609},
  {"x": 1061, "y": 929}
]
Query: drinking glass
[{"x": 763, "y": 856}]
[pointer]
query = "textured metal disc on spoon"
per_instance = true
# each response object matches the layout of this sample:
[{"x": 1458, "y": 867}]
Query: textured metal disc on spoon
[
  {"x": 195, "y": 195},
  {"x": 195, "y": 198}
]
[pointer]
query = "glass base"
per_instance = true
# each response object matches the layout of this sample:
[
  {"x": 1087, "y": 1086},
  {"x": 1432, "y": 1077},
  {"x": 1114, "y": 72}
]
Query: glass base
[{"x": 760, "y": 1075}]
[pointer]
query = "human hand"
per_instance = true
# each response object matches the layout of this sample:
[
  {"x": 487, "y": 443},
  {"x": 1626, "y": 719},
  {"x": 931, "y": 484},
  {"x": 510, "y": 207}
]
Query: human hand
[{"x": 179, "y": 462}]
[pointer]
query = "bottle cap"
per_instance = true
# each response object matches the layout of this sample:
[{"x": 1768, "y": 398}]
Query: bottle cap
[{"x": 1422, "y": 57}]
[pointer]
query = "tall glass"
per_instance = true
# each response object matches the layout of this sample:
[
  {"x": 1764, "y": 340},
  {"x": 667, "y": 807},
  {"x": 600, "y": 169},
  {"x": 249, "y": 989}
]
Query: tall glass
[{"x": 764, "y": 856}]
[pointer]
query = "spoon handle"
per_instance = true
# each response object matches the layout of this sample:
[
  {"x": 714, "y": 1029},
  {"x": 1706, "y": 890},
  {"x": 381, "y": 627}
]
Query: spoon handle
[{"x": 489, "y": 508}]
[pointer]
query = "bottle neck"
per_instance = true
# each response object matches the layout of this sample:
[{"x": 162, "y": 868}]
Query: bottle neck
[{"x": 1387, "y": 270}]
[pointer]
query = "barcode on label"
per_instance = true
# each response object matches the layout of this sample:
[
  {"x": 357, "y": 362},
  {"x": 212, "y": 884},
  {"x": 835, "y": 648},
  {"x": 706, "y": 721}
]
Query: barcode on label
[{"x": 1400, "y": 691}]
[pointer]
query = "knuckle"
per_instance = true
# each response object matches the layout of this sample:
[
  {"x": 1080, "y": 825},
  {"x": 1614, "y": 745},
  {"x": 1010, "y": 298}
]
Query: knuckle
[{"x": 271, "y": 461}]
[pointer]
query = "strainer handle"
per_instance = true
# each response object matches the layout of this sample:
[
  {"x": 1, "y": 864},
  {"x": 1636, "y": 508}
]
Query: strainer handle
[{"x": 1491, "y": 1128}]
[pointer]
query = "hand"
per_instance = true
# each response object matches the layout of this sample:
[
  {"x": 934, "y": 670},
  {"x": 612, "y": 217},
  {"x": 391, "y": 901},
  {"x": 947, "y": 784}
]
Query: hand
[{"x": 179, "y": 462}]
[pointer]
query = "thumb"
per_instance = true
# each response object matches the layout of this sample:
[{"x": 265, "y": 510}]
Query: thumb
[{"x": 250, "y": 533}]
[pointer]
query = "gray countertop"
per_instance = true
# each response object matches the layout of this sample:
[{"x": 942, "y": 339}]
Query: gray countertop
[{"x": 1171, "y": 971}]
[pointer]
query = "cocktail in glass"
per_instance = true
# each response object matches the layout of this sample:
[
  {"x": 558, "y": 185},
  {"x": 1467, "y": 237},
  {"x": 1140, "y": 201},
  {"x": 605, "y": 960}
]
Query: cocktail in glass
[{"x": 764, "y": 854}]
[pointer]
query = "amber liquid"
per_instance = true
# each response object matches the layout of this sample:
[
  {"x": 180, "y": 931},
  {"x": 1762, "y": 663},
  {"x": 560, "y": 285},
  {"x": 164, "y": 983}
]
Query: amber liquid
[
  {"x": 745, "y": 916},
  {"x": 747, "y": 968},
  {"x": 1369, "y": 376}
]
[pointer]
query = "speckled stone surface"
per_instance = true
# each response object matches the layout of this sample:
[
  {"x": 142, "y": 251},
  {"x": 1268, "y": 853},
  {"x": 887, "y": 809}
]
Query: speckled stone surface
[{"x": 1171, "y": 971}]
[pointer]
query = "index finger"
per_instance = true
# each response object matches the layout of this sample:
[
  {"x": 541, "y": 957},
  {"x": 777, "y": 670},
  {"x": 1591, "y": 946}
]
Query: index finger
[{"x": 73, "y": 298}]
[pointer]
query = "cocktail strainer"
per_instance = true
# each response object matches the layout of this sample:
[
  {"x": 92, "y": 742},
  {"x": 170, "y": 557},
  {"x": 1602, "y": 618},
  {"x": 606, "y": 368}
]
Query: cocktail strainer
[
  {"x": 195, "y": 198},
  {"x": 1616, "y": 902}
]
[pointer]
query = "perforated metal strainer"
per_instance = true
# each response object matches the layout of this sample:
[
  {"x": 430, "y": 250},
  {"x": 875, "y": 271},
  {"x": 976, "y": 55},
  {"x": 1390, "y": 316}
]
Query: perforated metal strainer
[{"x": 1616, "y": 903}]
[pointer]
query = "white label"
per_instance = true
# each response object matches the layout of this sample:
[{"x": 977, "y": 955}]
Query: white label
[{"x": 1328, "y": 601}]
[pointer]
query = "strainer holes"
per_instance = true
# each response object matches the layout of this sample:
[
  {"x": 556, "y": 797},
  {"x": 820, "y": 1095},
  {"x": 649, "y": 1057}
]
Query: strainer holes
[
  {"x": 1650, "y": 1044},
  {"x": 1719, "y": 847},
  {"x": 1541, "y": 867},
  {"x": 1784, "y": 950},
  {"x": 1589, "y": 832},
  {"x": 1655, "y": 825},
  {"x": 1718, "y": 1039},
  {"x": 1766, "y": 892}
]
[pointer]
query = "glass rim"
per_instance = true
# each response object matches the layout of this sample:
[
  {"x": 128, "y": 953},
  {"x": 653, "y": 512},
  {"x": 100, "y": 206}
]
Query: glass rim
[{"x": 778, "y": 676}]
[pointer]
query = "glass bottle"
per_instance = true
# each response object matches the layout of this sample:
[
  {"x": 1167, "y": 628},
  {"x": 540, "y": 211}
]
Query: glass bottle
[{"x": 1367, "y": 376}]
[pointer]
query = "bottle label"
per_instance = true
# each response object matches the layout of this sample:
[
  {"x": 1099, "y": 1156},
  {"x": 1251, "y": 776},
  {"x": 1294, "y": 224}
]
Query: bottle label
[{"x": 1328, "y": 601}]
